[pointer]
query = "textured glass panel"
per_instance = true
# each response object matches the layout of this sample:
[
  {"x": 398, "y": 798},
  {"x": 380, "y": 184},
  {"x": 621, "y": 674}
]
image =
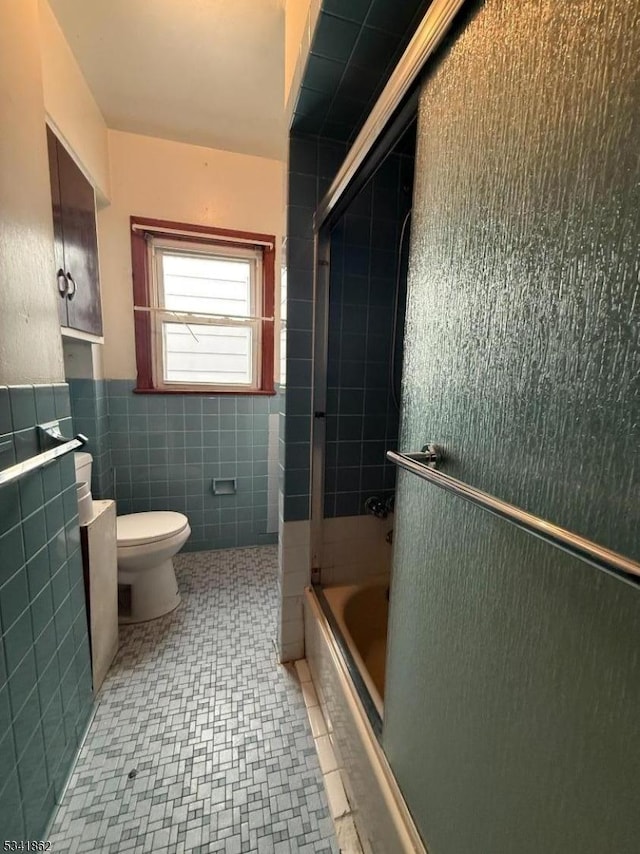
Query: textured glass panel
[
  {"x": 513, "y": 687},
  {"x": 513, "y": 672}
]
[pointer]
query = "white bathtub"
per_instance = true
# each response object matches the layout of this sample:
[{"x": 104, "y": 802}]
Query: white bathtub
[{"x": 362, "y": 612}]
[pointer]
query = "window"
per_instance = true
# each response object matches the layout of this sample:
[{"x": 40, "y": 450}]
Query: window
[{"x": 203, "y": 306}]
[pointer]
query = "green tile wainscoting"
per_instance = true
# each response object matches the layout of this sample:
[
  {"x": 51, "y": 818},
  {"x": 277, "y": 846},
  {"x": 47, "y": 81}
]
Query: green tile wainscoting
[
  {"x": 45, "y": 670},
  {"x": 90, "y": 413},
  {"x": 162, "y": 452},
  {"x": 355, "y": 48}
]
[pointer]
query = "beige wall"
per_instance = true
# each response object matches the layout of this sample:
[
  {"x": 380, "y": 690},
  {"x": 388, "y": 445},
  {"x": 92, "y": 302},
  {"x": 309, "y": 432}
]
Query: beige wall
[
  {"x": 30, "y": 348},
  {"x": 296, "y": 14},
  {"x": 70, "y": 106},
  {"x": 186, "y": 183},
  {"x": 301, "y": 17}
]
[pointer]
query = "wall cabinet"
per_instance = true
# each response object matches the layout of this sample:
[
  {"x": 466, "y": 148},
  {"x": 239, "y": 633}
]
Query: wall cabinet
[{"x": 76, "y": 245}]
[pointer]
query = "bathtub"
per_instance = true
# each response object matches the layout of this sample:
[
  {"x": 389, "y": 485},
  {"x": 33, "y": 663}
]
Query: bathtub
[{"x": 361, "y": 612}]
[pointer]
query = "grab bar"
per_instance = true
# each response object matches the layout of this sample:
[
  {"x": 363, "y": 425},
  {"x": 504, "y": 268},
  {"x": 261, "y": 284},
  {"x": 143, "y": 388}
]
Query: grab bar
[
  {"x": 422, "y": 465},
  {"x": 48, "y": 434}
]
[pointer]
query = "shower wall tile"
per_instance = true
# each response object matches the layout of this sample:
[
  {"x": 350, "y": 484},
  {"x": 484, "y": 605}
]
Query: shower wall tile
[
  {"x": 366, "y": 269},
  {"x": 312, "y": 164},
  {"x": 354, "y": 48},
  {"x": 45, "y": 671},
  {"x": 89, "y": 410}
]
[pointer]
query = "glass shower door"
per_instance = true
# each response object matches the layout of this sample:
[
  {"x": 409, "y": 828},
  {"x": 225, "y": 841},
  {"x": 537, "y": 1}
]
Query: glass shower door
[{"x": 513, "y": 672}]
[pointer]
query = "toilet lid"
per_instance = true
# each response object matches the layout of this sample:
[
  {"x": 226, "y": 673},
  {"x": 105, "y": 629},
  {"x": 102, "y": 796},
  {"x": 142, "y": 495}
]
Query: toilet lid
[{"x": 137, "y": 528}]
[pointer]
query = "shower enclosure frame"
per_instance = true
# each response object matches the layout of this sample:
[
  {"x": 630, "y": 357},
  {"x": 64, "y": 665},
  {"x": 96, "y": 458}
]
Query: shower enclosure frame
[{"x": 393, "y": 112}]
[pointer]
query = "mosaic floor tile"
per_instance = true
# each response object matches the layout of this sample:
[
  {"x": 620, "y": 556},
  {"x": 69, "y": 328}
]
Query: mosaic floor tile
[{"x": 200, "y": 741}]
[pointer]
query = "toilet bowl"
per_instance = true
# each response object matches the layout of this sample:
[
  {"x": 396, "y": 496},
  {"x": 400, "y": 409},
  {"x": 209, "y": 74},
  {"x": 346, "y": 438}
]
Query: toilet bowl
[{"x": 147, "y": 542}]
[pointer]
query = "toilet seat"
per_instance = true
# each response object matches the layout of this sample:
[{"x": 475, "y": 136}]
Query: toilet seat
[{"x": 137, "y": 529}]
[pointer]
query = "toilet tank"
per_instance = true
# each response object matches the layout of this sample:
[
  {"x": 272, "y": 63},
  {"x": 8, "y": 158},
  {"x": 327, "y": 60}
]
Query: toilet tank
[{"x": 83, "y": 462}]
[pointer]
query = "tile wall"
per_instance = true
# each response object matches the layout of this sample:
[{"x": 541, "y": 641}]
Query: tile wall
[
  {"x": 90, "y": 412},
  {"x": 354, "y": 49},
  {"x": 362, "y": 421},
  {"x": 165, "y": 451},
  {"x": 352, "y": 52},
  {"x": 45, "y": 671},
  {"x": 366, "y": 270},
  {"x": 312, "y": 164}
]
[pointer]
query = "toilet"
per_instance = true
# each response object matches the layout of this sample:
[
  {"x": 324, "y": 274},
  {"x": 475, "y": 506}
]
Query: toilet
[{"x": 147, "y": 542}]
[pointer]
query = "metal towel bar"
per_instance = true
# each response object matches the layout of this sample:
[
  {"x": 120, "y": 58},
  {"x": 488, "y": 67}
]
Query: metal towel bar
[
  {"x": 421, "y": 464},
  {"x": 49, "y": 434}
]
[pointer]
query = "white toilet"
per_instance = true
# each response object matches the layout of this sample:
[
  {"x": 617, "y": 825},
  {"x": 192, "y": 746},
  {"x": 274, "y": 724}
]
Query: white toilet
[{"x": 147, "y": 542}]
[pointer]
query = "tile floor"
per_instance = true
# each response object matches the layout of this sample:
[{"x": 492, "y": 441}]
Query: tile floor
[{"x": 201, "y": 741}]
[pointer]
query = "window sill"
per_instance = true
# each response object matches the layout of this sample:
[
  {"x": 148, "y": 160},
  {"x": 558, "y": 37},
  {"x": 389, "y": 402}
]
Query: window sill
[{"x": 206, "y": 393}]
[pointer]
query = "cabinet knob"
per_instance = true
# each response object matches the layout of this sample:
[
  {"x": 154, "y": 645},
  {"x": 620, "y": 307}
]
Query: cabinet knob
[
  {"x": 72, "y": 287},
  {"x": 63, "y": 285}
]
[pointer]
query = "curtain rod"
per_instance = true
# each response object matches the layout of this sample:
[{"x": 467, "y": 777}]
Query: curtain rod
[{"x": 201, "y": 317}]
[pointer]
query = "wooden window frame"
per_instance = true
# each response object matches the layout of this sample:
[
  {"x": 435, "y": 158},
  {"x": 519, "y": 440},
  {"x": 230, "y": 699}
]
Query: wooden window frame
[{"x": 143, "y": 228}]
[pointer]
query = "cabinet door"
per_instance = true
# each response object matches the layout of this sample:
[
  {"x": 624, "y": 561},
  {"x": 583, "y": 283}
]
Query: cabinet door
[
  {"x": 80, "y": 246},
  {"x": 58, "y": 236}
]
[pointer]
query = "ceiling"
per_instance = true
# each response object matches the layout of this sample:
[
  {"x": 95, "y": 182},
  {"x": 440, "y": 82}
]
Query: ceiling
[{"x": 206, "y": 72}]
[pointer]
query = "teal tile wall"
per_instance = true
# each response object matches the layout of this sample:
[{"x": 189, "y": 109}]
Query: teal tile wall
[
  {"x": 89, "y": 410},
  {"x": 45, "y": 670},
  {"x": 355, "y": 48},
  {"x": 163, "y": 452},
  {"x": 367, "y": 267},
  {"x": 313, "y": 163},
  {"x": 362, "y": 421}
]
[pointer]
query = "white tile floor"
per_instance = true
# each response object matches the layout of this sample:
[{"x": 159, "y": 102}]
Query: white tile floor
[{"x": 201, "y": 741}]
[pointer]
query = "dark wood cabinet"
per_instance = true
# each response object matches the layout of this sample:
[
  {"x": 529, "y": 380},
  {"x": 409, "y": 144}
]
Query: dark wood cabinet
[{"x": 76, "y": 244}]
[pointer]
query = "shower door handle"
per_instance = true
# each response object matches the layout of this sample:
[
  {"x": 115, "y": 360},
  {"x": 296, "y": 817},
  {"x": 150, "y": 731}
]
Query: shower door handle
[{"x": 431, "y": 455}]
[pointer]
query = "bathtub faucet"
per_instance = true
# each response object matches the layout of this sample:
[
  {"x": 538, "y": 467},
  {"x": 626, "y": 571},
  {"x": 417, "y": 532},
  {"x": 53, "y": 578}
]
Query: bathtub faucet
[{"x": 376, "y": 507}]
